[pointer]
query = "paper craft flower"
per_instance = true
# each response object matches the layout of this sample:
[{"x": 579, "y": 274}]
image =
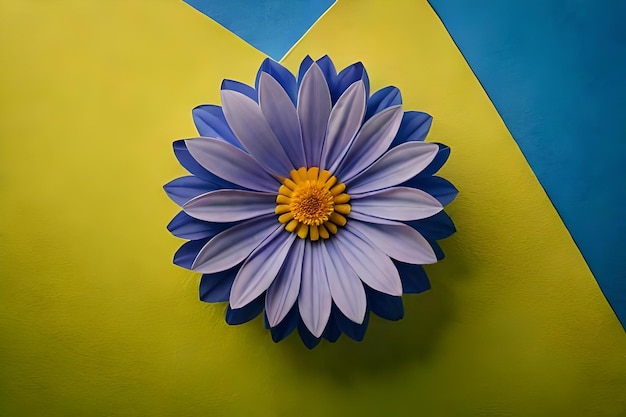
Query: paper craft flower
[{"x": 310, "y": 201}]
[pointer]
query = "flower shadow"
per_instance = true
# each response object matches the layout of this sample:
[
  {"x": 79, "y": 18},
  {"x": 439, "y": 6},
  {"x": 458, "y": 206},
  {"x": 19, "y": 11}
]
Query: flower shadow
[{"x": 388, "y": 346}]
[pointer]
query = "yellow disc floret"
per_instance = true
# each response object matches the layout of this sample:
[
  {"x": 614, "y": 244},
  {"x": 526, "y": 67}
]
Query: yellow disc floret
[{"x": 311, "y": 203}]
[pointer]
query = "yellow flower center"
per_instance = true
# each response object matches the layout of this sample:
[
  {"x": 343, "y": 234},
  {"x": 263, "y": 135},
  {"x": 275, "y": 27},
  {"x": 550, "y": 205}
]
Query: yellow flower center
[{"x": 311, "y": 203}]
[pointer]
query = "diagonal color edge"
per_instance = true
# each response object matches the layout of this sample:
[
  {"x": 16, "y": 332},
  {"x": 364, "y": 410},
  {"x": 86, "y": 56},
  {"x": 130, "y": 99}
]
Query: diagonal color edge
[
  {"x": 271, "y": 26},
  {"x": 554, "y": 71}
]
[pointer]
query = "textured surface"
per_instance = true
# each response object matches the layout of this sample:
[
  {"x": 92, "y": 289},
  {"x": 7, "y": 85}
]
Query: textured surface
[
  {"x": 555, "y": 71},
  {"x": 96, "y": 321}
]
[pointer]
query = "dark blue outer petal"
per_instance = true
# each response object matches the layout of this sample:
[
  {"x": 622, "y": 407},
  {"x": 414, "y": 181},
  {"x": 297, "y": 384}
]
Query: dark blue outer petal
[
  {"x": 437, "y": 249},
  {"x": 347, "y": 77},
  {"x": 307, "y": 337},
  {"x": 215, "y": 288},
  {"x": 191, "y": 165},
  {"x": 414, "y": 127},
  {"x": 286, "y": 326},
  {"x": 337, "y": 324},
  {"x": 281, "y": 74},
  {"x": 351, "y": 329},
  {"x": 414, "y": 279},
  {"x": 187, "y": 253},
  {"x": 332, "y": 331},
  {"x": 436, "y": 227},
  {"x": 438, "y": 187},
  {"x": 240, "y": 88},
  {"x": 292, "y": 320},
  {"x": 246, "y": 313},
  {"x": 380, "y": 100},
  {"x": 304, "y": 67},
  {"x": 433, "y": 228},
  {"x": 337, "y": 83},
  {"x": 437, "y": 163},
  {"x": 184, "y": 189},
  {"x": 383, "y": 305},
  {"x": 328, "y": 69},
  {"x": 187, "y": 227},
  {"x": 211, "y": 122}
]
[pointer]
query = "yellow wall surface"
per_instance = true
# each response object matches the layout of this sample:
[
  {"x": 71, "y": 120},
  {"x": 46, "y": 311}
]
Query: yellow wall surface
[{"x": 96, "y": 321}]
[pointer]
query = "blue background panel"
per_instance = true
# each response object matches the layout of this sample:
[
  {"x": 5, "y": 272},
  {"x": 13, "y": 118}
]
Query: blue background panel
[
  {"x": 555, "y": 70},
  {"x": 272, "y": 26}
]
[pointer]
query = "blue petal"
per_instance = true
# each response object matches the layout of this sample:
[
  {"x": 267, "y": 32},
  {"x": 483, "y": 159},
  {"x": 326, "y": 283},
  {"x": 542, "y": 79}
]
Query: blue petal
[
  {"x": 307, "y": 337},
  {"x": 187, "y": 253},
  {"x": 414, "y": 127},
  {"x": 225, "y": 206},
  {"x": 314, "y": 108},
  {"x": 242, "y": 88},
  {"x": 385, "y": 306},
  {"x": 215, "y": 288},
  {"x": 414, "y": 279},
  {"x": 210, "y": 122},
  {"x": 328, "y": 69},
  {"x": 347, "y": 77},
  {"x": 281, "y": 74},
  {"x": 438, "y": 162},
  {"x": 438, "y": 187},
  {"x": 344, "y": 121},
  {"x": 228, "y": 164},
  {"x": 234, "y": 245},
  {"x": 380, "y": 100},
  {"x": 282, "y": 116},
  {"x": 247, "y": 121},
  {"x": 246, "y": 313},
  {"x": 286, "y": 326},
  {"x": 332, "y": 331},
  {"x": 436, "y": 227},
  {"x": 437, "y": 249},
  {"x": 304, "y": 67},
  {"x": 190, "y": 164},
  {"x": 184, "y": 189},
  {"x": 187, "y": 227},
  {"x": 396, "y": 166},
  {"x": 353, "y": 330}
]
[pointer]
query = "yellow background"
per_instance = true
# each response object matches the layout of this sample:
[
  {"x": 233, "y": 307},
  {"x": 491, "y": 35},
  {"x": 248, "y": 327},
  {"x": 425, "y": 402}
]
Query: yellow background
[{"x": 96, "y": 321}]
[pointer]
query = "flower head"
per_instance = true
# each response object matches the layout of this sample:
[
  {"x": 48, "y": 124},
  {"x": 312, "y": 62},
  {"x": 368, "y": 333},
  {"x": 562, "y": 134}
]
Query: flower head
[{"x": 310, "y": 201}]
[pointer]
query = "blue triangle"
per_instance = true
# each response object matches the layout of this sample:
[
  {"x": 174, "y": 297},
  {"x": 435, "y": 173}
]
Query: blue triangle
[
  {"x": 271, "y": 26},
  {"x": 555, "y": 72}
]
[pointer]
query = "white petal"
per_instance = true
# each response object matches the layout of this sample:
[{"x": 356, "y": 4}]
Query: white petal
[
  {"x": 314, "y": 105},
  {"x": 371, "y": 265},
  {"x": 315, "y": 299},
  {"x": 397, "y": 203},
  {"x": 345, "y": 286},
  {"x": 234, "y": 244},
  {"x": 282, "y": 117},
  {"x": 230, "y": 205},
  {"x": 396, "y": 166},
  {"x": 260, "y": 269},
  {"x": 231, "y": 164},
  {"x": 371, "y": 142},
  {"x": 245, "y": 118},
  {"x": 344, "y": 122},
  {"x": 283, "y": 292},
  {"x": 398, "y": 241}
]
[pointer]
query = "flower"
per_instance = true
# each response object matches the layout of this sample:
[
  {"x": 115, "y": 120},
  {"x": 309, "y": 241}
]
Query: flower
[{"x": 310, "y": 201}]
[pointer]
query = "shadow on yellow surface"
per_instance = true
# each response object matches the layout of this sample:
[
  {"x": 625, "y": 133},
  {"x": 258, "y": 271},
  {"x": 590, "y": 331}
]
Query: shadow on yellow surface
[{"x": 95, "y": 319}]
